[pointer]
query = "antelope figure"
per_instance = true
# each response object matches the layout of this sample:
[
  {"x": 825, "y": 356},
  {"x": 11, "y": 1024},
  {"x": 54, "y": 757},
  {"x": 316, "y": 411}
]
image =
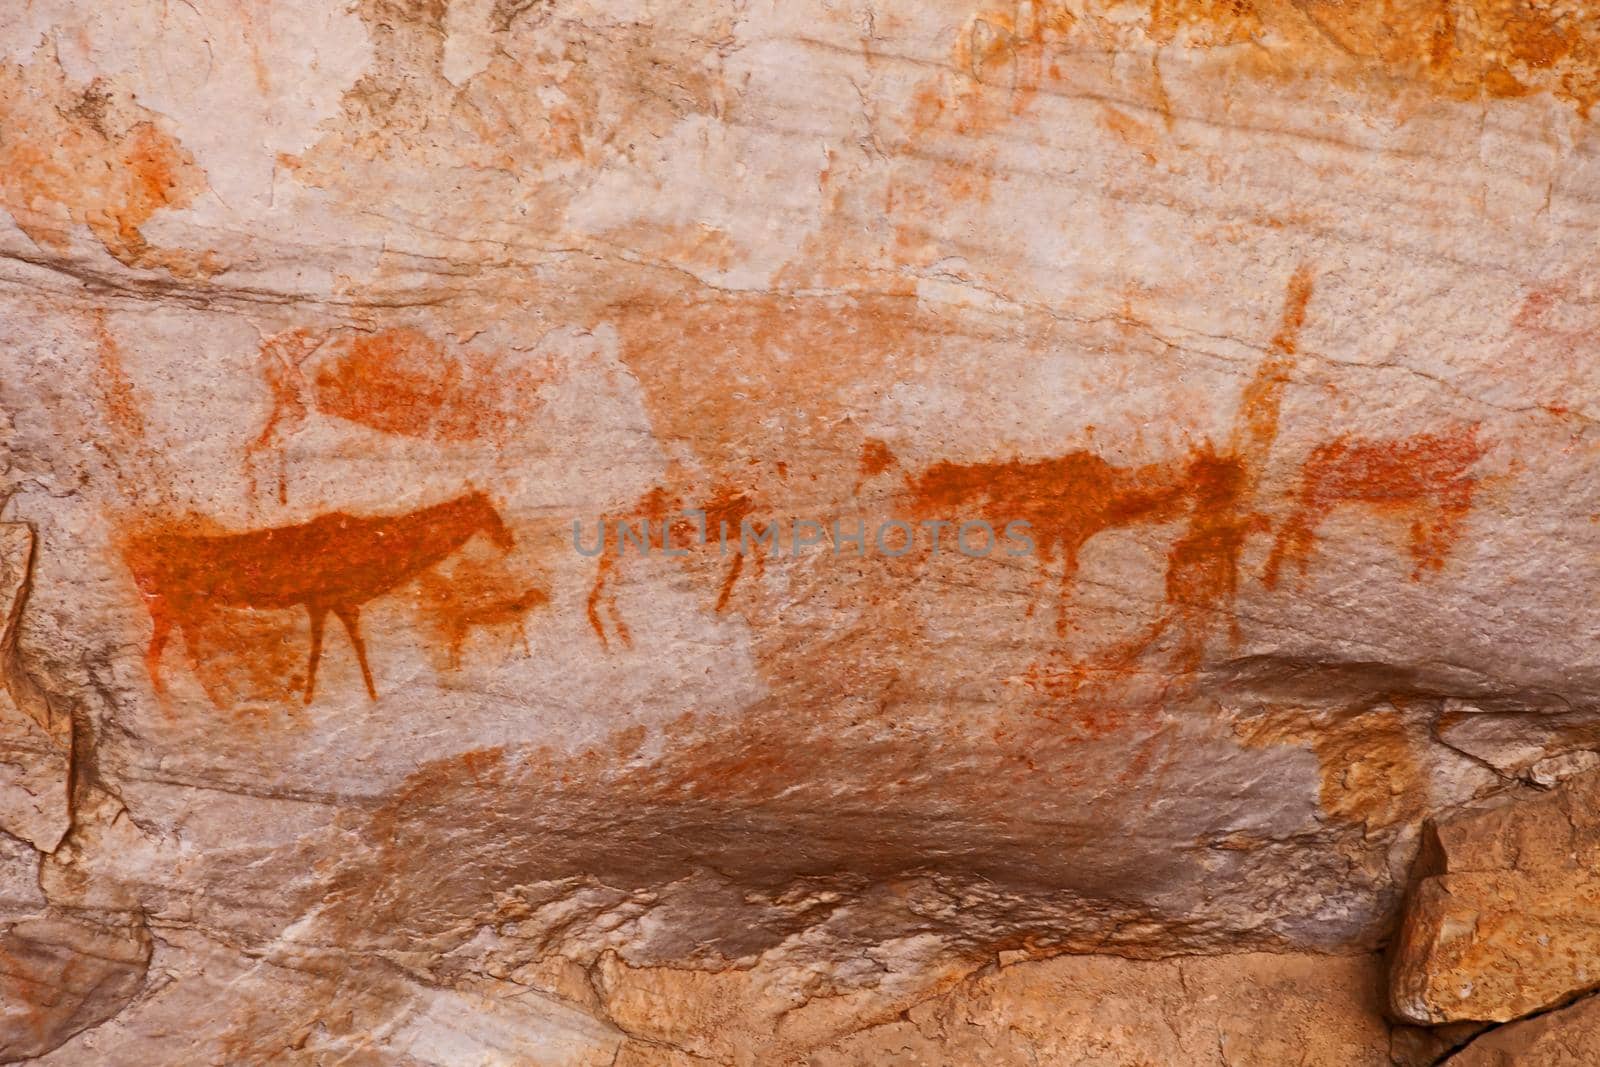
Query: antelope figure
[
  {"x": 334, "y": 563},
  {"x": 1202, "y": 580},
  {"x": 1067, "y": 500},
  {"x": 1426, "y": 477}
]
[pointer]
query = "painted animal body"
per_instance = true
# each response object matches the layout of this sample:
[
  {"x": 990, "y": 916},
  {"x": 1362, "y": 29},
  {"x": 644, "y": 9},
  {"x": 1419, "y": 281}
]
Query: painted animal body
[
  {"x": 334, "y": 563},
  {"x": 508, "y": 610},
  {"x": 1426, "y": 477},
  {"x": 1066, "y": 500}
]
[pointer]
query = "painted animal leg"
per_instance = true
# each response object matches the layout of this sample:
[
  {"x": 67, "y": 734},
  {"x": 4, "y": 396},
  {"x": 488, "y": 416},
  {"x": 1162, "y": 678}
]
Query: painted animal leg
[
  {"x": 318, "y": 616},
  {"x": 1069, "y": 574},
  {"x": 1421, "y": 548},
  {"x": 1038, "y": 589},
  {"x": 727, "y": 583},
  {"x": 624, "y": 634},
  {"x": 597, "y": 593},
  {"x": 618, "y": 623},
  {"x": 1123, "y": 657},
  {"x": 350, "y": 615},
  {"x": 1294, "y": 542},
  {"x": 1192, "y": 633},
  {"x": 161, "y": 620}
]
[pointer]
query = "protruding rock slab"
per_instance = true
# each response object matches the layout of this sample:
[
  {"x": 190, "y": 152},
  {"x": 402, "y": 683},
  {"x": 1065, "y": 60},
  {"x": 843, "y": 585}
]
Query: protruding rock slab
[
  {"x": 1504, "y": 919},
  {"x": 1566, "y": 1038},
  {"x": 1254, "y": 1009}
]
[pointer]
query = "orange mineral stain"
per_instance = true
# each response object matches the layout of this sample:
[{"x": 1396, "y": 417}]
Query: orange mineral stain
[
  {"x": 1464, "y": 50},
  {"x": 90, "y": 156},
  {"x": 1216, "y": 22},
  {"x": 1460, "y": 49},
  {"x": 1369, "y": 772}
]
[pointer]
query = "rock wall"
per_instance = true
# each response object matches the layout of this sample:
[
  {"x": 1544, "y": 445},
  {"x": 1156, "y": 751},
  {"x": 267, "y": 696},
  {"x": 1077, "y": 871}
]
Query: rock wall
[{"x": 831, "y": 533}]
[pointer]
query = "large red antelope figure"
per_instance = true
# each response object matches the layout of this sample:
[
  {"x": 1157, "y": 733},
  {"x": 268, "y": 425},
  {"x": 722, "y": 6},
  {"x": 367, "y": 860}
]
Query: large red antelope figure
[
  {"x": 334, "y": 563},
  {"x": 1066, "y": 499}
]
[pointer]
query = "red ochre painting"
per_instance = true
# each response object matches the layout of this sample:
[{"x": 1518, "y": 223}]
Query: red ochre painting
[
  {"x": 405, "y": 382},
  {"x": 334, "y": 564}
]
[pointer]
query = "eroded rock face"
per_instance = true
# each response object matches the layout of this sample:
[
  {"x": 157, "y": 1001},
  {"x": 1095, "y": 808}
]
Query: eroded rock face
[
  {"x": 35, "y": 739},
  {"x": 1074, "y": 478},
  {"x": 63, "y": 976},
  {"x": 1257, "y": 1009},
  {"x": 62, "y": 972}
]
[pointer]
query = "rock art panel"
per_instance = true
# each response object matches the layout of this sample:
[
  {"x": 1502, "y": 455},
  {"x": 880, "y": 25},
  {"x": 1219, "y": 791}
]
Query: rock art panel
[
  {"x": 629, "y": 386},
  {"x": 401, "y": 381}
]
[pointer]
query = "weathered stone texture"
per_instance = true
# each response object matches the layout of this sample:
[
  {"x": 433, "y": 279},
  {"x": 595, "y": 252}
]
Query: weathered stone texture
[
  {"x": 1569, "y": 1037},
  {"x": 1239, "y": 1011},
  {"x": 1505, "y": 918},
  {"x": 35, "y": 740}
]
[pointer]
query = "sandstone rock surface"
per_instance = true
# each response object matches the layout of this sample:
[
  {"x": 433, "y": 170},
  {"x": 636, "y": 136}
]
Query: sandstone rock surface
[
  {"x": 1226, "y": 1011},
  {"x": 473, "y": 475},
  {"x": 1569, "y": 1037},
  {"x": 35, "y": 740},
  {"x": 1505, "y": 919}
]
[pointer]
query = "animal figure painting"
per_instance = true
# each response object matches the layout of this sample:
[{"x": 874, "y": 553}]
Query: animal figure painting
[{"x": 334, "y": 563}]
